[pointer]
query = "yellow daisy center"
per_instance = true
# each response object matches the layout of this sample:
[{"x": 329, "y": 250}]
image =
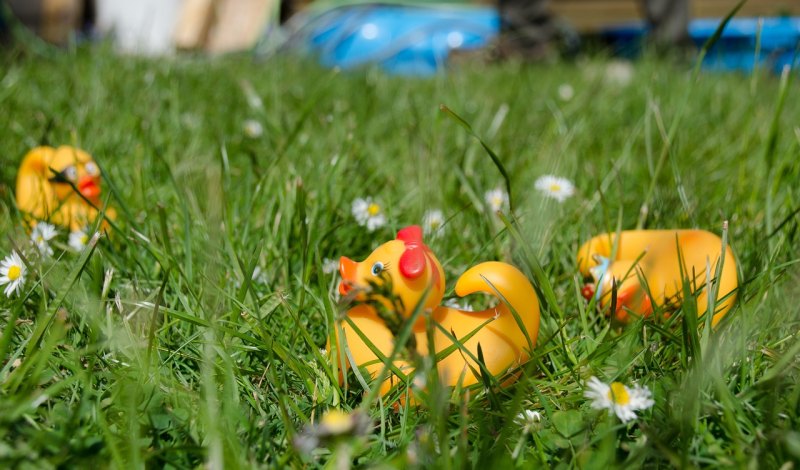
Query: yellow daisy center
[
  {"x": 373, "y": 209},
  {"x": 618, "y": 394},
  {"x": 337, "y": 421},
  {"x": 84, "y": 239},
  {"x": 14, "y": 272},
  {"x": 555, "y": 187},
  {"x": 40, "y": 239}
]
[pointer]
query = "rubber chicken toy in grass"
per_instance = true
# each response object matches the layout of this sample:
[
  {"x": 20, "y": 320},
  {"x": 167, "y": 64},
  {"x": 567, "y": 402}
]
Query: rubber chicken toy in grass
[
  {"x": 654, "y": 256},
  {"x": 60, "y": 185},
  {"x": 410, "y": 269}
]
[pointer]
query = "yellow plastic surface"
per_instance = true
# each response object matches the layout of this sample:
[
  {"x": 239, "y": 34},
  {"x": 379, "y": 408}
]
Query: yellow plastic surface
[
  {"x": 503, "y": 343},
  {"x": 45, "y": 187},
  {"x": 659, "y": 264}
]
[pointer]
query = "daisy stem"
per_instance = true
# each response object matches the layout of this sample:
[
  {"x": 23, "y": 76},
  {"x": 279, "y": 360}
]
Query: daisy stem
[{"x": 8, "y": 332}]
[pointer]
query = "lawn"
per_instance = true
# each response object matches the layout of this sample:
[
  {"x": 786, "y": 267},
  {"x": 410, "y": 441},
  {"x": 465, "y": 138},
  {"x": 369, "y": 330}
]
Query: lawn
[{"x": 191, "y": 334}]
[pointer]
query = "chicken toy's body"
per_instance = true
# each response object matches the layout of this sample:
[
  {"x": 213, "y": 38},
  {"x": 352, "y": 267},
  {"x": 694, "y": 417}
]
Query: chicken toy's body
[
  {"x": 414, "y": 270},
  {"x": 60, "y": 185},
  {"x": 659, "y": 263}
]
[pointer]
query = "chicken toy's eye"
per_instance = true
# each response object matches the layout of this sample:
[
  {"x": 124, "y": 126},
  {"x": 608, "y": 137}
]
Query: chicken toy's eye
[
  {"x": 71, "y": 173},
  {"x": 91, "y": 168},
  {"x": 377, "y": 268},
  {"x": 65, "y": 176}
]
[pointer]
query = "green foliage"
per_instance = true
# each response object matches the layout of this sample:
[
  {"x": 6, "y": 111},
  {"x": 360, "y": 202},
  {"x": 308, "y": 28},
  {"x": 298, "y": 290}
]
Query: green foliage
[{"x": 192, "y": 334}]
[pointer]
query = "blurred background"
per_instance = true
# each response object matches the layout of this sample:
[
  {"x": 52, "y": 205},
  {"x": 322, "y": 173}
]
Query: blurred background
[{"x": 415, "y": 37}]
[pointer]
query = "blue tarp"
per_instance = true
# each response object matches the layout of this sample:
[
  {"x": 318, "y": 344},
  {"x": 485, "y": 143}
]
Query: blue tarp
[{"x": 736, "y": 47}]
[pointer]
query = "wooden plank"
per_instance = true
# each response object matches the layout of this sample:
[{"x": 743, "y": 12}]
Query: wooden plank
[
  {"x": 592, "y": 15},
  {"x": 718, "y": 8},
  {"x": 53, "y": 20},
  {"x": 194, "y": 24},
  {"x": 61, "y": 18},
  {"x": 239, "y": 24},
  {"x": 586, "y": 15}
]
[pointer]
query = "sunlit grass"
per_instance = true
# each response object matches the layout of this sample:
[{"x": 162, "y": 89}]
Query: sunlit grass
[{"x": 159, "y": 346}]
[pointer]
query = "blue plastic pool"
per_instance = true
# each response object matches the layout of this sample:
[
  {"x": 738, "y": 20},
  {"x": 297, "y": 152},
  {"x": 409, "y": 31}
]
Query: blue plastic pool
[
  {"x": 417, "y": 40},
  {"x": 410, "y": 40}
]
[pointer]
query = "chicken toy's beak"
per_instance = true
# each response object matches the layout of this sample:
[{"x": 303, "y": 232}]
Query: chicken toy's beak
[
  {"x": 347, "y": 268},
  {"x": 89, "y": 187},
  {"x": 637, "y": 302}
]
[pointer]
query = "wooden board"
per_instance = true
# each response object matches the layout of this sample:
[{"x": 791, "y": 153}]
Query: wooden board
[
  {"x": 592, "y": 15},
  {"x": 53, "y": 20},
  {"x": 194, "y": 24},
  {"x": 719, "y": 8},
  {"x": 239, "y": 23}
]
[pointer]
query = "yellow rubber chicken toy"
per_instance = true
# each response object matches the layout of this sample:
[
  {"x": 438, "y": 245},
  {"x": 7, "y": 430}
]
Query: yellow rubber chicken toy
[
  {"x": 413, "y": 270},
  {"x": 51, "y": 181},
  {"x": 653, "y": 255}
]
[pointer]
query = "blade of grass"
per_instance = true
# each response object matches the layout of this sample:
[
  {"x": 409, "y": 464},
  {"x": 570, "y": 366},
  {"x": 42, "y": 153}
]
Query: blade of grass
[{"x": 492, "y": 154}]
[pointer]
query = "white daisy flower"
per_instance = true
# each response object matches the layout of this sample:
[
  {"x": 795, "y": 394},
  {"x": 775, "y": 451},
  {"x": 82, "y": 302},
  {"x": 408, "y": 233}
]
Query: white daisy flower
[
  {"x": 529, "y": 418},
  {"x": 259, "y": 276},
  {"x": 555, "y": 187},
  {"x": 255, "y": 102},
  {"x": 253, "y": 129},
  {"x": 368, "y": 213},
  {"x": 41, "y": 236},
  {"x": 619, "y": 73},
  {"x": 453, "y": 302},
  {"x": 420, "y": 381},
  {"x": 330, "y": 266},
  {"x": 566, "y": 92},
  {"x": 78, "y": 240},
  {"x": 530, "y": 421},
  {"x": 433, "y": 223},
  {"x": 12, "y": 274},
  {"x": 374, "y": 223},
  {"x": 497, "y": 199},
  {"x": 337, "y": 422},
  {"x": 623, "y": 401}
]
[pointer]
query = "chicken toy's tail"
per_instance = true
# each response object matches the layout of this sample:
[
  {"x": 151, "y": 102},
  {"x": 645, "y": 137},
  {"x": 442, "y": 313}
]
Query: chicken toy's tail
[
  {"x": 514, "y": 291},
  {"x": 33, "y": 194}
]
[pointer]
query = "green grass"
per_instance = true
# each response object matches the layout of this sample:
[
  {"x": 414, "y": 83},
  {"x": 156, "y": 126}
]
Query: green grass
[{"x": 163, "y": 353}]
